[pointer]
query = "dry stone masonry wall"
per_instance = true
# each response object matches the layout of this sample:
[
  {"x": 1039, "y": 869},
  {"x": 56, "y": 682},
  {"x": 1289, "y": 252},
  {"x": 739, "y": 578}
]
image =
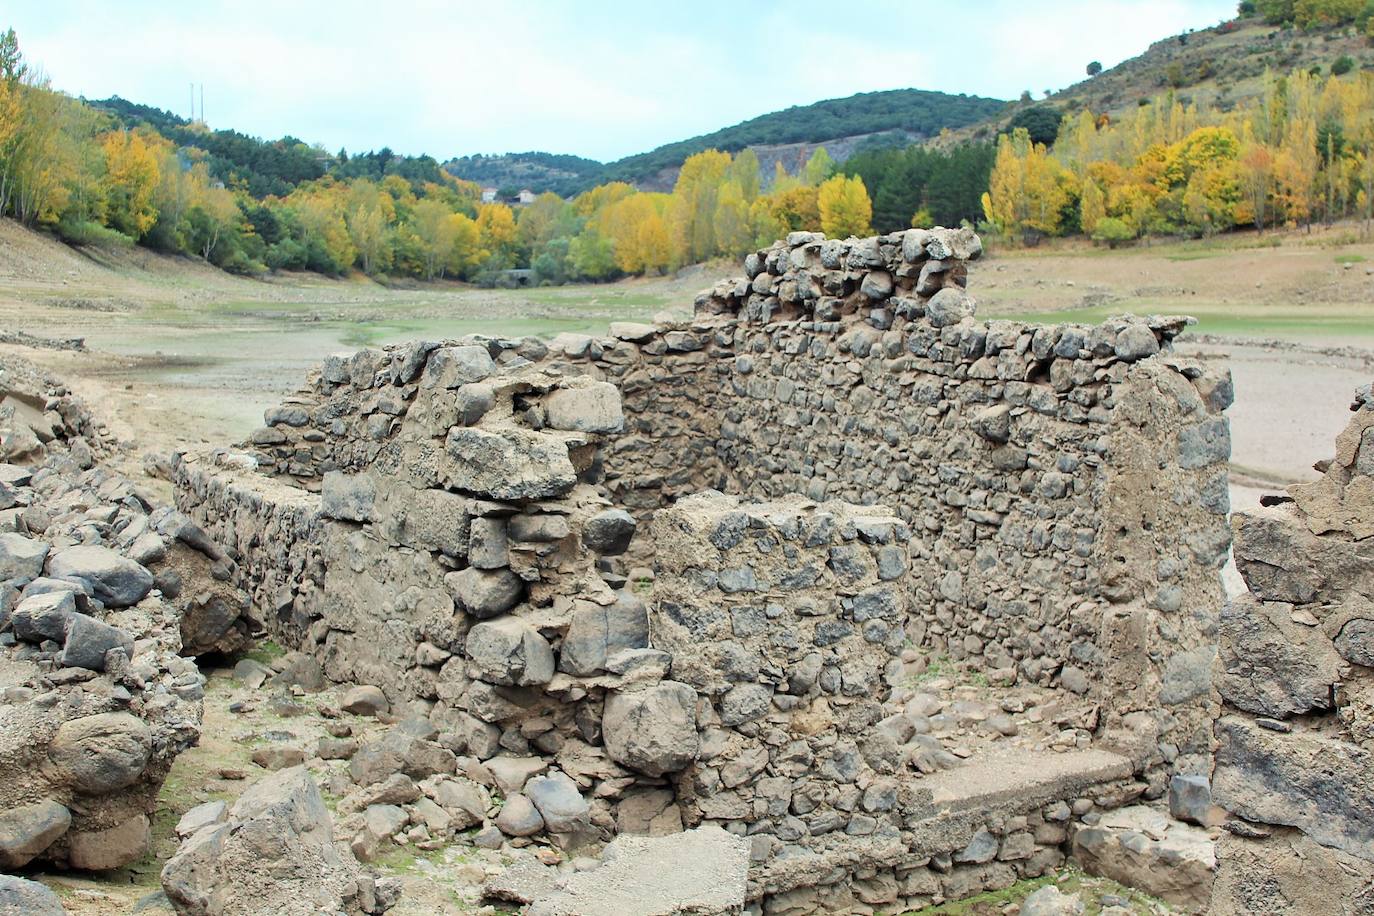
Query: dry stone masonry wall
[{"x": 458, "y": 523}]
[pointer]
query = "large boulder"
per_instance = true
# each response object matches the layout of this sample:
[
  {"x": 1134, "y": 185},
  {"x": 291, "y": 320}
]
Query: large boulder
[
  {"x": 116, "y": 580},
  {"x": 559, "y": 802},
  {"x": 1284, "y": 871},
  {"x": 1271, "y": 666},
  {"x": 509, "y": 651},
  {"x": 454, "y": 367},
  {"x": 21, "y": 557},
  {"x": 89, "y": 639},
  {"x": 514, "y": 464},
  {"x": 396, "y": 751},
  {"x": 348, "y": 497},
  {"x": 598, "y": 632},
  {"x": 19, "y": 897},
  {"x": 1319, "y": 784},
  {"x": 585, "y": 407},
  {"x": 27, "y": 830},
  {"x": 102, "y": 753},
  {"x": 609, "y": 532},
  {"x": 111, "y": 847},
  {"x": 44, "y": 616},
  {"x": 485, "y": 592},
  {"x": 653, "y": 731},
  {"x": 1141, "y": 847},
  {"x": 275, "y": 853},
  {"x": 949, "y": 306}
]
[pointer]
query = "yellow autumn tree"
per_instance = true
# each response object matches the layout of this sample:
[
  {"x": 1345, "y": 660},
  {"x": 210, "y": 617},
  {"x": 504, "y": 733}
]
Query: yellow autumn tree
[
  {"x": 131, "y": 180},
  {"x": 693, "y": 213},
  {"x": 1027, "y": 192},
  {"x": 540, "y": 220},
  {"x": 368, "y": 213},
  {"x": 844, "y": 206},
  {"x": 213, "y": 215},
  {"x": 818, "y": 167},
  {"x": 744, "y": 170},
  {"x": 466, "y": 254},
  {"x": 1295, "y": 171},
  {"x": 638, "y": 233},
  {"x": 320, "y": 209},
  {"x": 791, "y": 208},
  {"x": 734, "y": 234},
  {"x": 1092, "y": 206},
  {"x": 436, "y": 233},
  {"x": 600, "y": 197},
  {"x": 498, "y": 234}
]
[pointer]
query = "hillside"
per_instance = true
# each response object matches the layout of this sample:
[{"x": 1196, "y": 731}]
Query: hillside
[
  {"x": 1220, "y": 66},
  {"x": 560, "y": 173},
  {"x": 912, "y": 111},
  {"x": 263, "y": 167},
  {"x": 895, "y": 116}
]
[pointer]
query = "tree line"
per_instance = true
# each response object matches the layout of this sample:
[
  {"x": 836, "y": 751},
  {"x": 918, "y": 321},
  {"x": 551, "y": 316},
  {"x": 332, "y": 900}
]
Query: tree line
[
  {"x": 1301, "y": 151},
  {"x": 134, "y": 175}
]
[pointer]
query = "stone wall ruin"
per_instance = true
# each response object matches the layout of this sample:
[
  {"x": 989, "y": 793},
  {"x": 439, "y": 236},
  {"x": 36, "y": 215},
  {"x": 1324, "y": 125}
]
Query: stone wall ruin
[{"x": 1042, "y": 508}]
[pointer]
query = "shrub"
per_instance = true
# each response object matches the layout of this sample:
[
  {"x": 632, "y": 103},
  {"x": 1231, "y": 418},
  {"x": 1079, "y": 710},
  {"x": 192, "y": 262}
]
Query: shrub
[
  {"x": 1115, "y": 232},
  {"x": 1342, "y": 65},
  {"x": 239, "y": 263},
  {"x": 288, "y": 254},
  {"x": 88, "y": 232},
  {"x": 1094, "y": 68}
]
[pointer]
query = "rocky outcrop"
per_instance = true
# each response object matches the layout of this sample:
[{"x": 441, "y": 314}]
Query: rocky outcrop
[
  {"x": 1296, "y": 674},
  {"x": 101, "y": 595},
  {"x": 272, "y": 852},
  {"x": 97, "y": 700}
]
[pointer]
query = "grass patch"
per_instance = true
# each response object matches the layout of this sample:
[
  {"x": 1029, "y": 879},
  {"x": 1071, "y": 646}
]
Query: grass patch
[
  {"x": 1070, "y": 880},
  {"x": 938, "y": 667},
  {"x": 988, "y": 901},
  {"x": 412, "y": 860},
  {"x": 1296, "y": 323},
  {"x": 265, "y": 651},
  {"x": 942, "y": 666},
  {"x": 1351, "y": 259}
]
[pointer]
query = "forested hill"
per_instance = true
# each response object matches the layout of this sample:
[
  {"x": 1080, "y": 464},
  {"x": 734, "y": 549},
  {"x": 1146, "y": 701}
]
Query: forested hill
[
  {"x": 263, "y": 167},
  {"x": 899, "y": 111},
  {"x": 562, "y": 174},
  {"x": 903, "y": 114}
]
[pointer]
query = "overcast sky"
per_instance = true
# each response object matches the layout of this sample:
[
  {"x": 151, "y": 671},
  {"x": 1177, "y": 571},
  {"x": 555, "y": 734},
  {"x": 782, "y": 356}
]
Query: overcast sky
[{"x": 600, "y": 78}]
